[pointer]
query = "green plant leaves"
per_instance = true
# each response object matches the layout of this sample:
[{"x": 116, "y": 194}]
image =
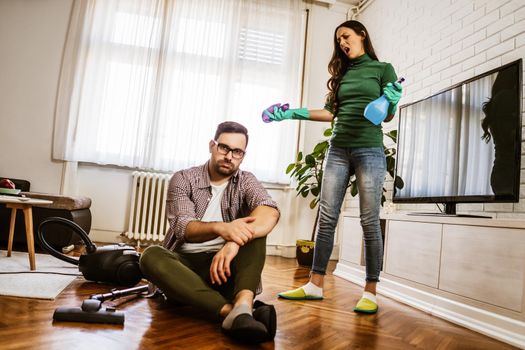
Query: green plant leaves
[
  {"x": 309, "y": 160},
  {"x": 390, "y": 165},
  {"x": 399, "y": 183},
  {"x": 392, "y": 134}
]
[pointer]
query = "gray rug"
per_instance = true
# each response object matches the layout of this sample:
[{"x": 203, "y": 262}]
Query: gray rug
[{"x": 39, "y": 284}]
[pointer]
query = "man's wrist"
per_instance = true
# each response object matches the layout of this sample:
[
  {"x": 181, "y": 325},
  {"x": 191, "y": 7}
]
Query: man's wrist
[
  {"x": 231, "y": 243},
  {"x": 218, "y": 228}
]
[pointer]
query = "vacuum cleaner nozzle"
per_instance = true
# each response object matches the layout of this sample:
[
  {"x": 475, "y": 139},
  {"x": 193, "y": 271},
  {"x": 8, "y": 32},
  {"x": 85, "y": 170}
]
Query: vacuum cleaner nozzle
[
  {"x": 77, "y": 314},
  {"x": 91, "y": 312}
]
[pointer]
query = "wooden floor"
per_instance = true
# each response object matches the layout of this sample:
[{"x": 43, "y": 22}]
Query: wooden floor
[{"x": 152, "y": 324}]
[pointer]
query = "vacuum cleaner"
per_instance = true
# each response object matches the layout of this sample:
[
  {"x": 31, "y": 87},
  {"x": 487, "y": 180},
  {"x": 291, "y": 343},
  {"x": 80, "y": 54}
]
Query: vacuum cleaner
[
  {"x": 114, "y": 264},
  {"x": 91, "y": 310}
]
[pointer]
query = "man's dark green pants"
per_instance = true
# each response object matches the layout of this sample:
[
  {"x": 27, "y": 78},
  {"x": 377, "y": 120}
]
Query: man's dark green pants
[{"x": 185, "y": 278}]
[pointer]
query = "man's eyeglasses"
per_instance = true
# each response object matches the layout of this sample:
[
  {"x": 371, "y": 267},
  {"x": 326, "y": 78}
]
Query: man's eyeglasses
[{"x": 223, "y": 149}]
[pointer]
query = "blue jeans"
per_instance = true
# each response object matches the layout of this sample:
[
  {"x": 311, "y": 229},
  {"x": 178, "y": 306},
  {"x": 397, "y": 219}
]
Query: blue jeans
[{"x": 369, "y": 166}]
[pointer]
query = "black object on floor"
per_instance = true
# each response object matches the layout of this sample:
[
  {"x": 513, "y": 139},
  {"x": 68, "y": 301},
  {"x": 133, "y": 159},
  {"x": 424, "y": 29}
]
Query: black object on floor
[
  {"x": 115, "y": 264},
  {"x": 91, "y": 310},
  {"x": 267, "y": 315}
]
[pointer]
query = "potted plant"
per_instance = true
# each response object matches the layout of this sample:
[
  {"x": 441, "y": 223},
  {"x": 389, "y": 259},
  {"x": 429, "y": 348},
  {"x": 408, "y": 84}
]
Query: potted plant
[{"x": 308, "y": 169}]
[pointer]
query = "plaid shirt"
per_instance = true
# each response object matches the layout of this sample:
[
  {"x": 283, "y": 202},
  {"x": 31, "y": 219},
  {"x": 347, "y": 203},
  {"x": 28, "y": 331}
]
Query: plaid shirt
[{"x": 189, "y": 192}]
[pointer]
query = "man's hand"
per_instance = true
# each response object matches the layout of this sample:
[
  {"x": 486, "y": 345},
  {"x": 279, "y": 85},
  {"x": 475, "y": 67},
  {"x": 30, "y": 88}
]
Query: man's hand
[
  {"x": 239, "y": 231},
  {"x": 220, "y": 265}
]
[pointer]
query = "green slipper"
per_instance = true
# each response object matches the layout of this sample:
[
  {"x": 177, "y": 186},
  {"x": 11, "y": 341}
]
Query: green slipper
[
  {"x": 366, "y": 306},
  {"x": 299, "y": 294}
]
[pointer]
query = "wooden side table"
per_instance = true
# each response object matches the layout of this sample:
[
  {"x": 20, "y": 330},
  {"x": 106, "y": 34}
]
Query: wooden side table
[{"x": 25, "y": 204}]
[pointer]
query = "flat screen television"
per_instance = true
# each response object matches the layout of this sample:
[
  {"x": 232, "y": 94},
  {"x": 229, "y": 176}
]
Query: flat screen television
[{"x": 463, "y": 144}]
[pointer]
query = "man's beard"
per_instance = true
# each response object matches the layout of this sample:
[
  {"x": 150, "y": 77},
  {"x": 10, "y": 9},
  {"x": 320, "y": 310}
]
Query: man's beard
[{"x": 224, "y": 171}]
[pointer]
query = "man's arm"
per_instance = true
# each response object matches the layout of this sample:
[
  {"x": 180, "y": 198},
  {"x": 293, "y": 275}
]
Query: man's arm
[
  {"x": 180, "y": 209},
  {"x": 265, "y": 220},
  {"x": 239, "y": 231},
  {"x": 263, "y": 208},
  {"x": 198, "y": 231},
  {"x": 260, "y": 222}
]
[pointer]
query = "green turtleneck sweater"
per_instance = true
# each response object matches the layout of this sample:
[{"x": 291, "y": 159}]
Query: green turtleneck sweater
[{"x": 362, "y": 83}]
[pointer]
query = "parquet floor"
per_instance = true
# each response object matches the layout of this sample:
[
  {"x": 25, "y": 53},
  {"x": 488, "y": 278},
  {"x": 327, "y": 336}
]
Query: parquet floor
[{"x": 317, "y": 325}]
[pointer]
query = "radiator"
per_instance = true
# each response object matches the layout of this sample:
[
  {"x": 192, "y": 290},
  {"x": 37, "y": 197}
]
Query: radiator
[{"x": 147, "y": 216}]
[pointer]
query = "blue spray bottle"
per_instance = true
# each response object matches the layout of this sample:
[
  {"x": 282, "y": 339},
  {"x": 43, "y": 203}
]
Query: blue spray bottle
[{"x": 377, "y": 110}]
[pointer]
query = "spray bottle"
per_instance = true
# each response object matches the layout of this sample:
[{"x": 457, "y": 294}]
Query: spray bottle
[{"x": 377, "y": 110}]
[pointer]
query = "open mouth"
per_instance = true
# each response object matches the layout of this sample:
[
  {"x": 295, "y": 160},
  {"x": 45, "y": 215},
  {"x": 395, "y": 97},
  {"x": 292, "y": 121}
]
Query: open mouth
[{"x": 346, "y": 50}]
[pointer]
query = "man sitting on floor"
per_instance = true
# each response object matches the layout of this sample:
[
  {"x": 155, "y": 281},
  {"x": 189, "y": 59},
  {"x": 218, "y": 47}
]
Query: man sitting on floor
[{"x": 213, "y": 255}]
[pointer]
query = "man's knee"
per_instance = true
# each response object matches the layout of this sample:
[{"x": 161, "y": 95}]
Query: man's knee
[
  {"x": 255, "y": 247},
  {"x": 250, "y": 254},
  {"x": 259, "y": 242},
  {"x": 150, "y": 258}
]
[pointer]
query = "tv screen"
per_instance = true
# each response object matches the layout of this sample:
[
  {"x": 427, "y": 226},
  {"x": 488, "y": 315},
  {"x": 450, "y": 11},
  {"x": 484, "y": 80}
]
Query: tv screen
[{"x": 463, "y": 144}]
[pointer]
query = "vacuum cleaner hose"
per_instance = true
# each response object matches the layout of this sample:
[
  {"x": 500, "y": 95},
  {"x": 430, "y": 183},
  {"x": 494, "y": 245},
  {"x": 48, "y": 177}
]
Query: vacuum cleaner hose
[{"x": 90, "y": 246}]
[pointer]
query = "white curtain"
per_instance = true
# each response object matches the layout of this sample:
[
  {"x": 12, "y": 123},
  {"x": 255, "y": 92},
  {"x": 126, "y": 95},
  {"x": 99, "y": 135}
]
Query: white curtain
[
  {"x": 144, "y": 83},
  {"x": 440, "y": 150}
]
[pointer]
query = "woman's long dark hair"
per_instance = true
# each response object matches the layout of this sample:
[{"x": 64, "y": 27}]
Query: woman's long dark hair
[
  {"x": 503, "y": 89},
  {"x": 339, "y": 61}
]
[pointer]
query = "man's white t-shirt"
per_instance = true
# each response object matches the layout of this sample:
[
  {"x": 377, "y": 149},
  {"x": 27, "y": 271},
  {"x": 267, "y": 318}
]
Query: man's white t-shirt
[{"x": 213, "y": 213}]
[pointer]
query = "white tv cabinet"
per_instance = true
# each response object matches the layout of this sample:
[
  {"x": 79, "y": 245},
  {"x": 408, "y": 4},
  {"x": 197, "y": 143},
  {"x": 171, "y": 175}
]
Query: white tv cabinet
[{"x": 470, "y": 271}]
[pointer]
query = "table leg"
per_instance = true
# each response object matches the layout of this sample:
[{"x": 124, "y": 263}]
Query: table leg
[
  {"x": 11, "y": 232},
  {"x": 28, "y": 216}
]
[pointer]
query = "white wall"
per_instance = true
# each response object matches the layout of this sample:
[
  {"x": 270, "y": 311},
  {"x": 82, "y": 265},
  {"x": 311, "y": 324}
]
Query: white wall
[
  {"x": 437, "y": 43},
  {"x": 32, "y": 35}
]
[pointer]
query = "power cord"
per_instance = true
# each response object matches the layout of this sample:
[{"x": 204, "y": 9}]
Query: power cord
[{"x": 43, "y": 272}]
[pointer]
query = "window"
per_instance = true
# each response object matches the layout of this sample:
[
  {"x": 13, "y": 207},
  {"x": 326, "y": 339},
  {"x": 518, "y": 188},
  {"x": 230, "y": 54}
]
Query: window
[{"x": 145, "y": 83}]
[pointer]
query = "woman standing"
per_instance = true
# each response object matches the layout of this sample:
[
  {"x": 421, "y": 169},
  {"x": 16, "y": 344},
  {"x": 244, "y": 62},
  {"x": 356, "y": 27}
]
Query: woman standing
[{"x": 357, "y": 78}]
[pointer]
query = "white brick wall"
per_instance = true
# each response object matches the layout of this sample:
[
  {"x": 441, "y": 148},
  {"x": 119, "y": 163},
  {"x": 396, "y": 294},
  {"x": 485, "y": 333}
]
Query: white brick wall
[{"x": 437, "y": 43}]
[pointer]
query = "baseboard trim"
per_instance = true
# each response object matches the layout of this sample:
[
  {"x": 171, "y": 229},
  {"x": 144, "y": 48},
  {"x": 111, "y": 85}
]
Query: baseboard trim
[
  {"x": 105, "y": 236},
  {"x": 287, "y": 251},
  {"x": 499, "y": 327},
  {"x": 280, "y": 250}
]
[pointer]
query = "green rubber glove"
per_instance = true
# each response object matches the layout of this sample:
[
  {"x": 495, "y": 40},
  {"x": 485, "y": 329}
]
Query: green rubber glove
[
  {"x": 279, "y": 113},
  {"x": 392, "y": 93}
]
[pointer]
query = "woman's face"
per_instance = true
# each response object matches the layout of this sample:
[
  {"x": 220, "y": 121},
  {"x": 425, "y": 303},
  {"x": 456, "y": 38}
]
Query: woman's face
[{"x": 350, "y": 42}]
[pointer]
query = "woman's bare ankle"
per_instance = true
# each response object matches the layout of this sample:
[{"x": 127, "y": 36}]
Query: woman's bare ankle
[
  {"x": 317, "y": 279},
  {"x": 371, "y": 287}
]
